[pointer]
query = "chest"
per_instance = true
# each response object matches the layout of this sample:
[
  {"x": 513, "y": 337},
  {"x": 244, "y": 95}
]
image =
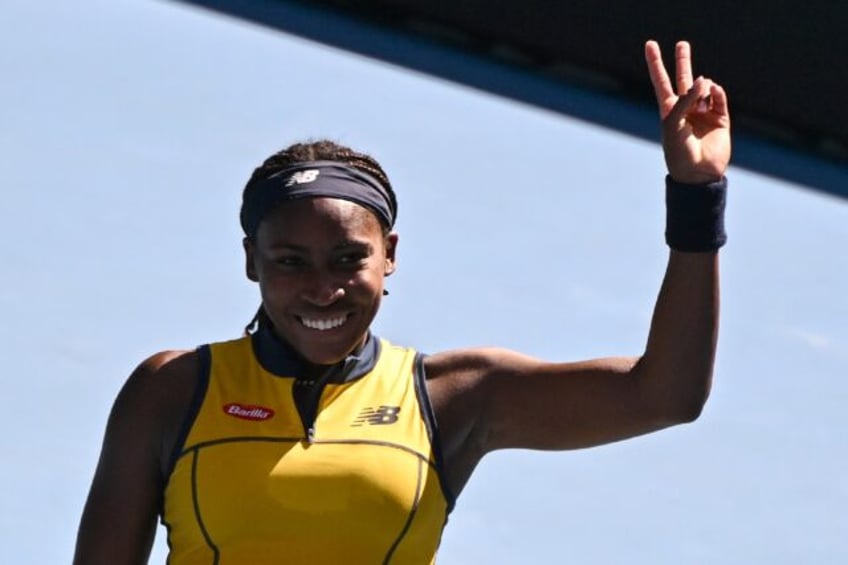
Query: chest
[{"x": 353, "y": 482}]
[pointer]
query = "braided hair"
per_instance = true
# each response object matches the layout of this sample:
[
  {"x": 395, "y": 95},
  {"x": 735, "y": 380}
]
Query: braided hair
[{"x": 321, "y": 150}]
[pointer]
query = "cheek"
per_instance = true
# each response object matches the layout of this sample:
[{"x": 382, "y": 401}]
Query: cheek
[
  {"x": 369, "y": 280},
  {"x": 276, "y": 287}
]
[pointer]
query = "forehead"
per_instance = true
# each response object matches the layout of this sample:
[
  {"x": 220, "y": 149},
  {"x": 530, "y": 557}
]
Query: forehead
[{"x": 318, "y": 218}]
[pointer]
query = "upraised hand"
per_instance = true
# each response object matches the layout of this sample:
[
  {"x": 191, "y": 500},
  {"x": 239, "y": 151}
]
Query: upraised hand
[{"x": 695, "y": 118}]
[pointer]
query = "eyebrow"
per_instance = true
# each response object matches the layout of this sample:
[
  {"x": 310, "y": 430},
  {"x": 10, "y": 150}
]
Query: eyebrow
[{"x": 347, "y": 244}]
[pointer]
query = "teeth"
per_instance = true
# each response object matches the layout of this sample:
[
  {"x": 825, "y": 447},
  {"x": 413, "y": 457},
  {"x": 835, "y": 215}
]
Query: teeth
[{"x": 323, "y": 324}]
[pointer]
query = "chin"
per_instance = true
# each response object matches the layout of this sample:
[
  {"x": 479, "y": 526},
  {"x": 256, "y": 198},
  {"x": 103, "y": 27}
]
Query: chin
[
  {"x": 328, "y": 348},
  {"x": 327, "y": 355}
]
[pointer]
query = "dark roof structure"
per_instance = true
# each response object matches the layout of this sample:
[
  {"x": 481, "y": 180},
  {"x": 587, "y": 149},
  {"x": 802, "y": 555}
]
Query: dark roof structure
[{"x": 783, "y": 63}]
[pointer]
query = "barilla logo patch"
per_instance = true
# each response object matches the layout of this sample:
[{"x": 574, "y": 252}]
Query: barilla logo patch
[{"x": 244, "y": 412}]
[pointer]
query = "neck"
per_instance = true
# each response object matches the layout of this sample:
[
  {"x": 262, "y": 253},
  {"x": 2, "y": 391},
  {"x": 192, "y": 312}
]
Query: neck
[{"x": 278, "y": 357}]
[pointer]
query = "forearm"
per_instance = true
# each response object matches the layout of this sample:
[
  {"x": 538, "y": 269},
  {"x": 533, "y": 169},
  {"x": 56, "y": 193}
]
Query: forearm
[{"x": 677, "y": 366}]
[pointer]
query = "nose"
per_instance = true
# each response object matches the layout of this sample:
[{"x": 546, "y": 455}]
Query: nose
[{"x": 323, "y": 290}]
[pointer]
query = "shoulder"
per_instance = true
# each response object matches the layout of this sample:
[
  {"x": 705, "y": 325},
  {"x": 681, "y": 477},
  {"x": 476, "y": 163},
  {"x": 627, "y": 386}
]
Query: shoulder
[
  {"x": 475, "y": 363},
  {"x": 469, "y": 378},
  {"x": 157, "y": 392},
  {"x": 167, "y": 362},
  {"x": 163, "y": 370}
]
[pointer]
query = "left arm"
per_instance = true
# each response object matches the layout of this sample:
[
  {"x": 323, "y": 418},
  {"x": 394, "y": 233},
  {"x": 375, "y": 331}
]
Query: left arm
[
  {"x": 490, "y": 399},
  {"x": 509, "y": 400}
]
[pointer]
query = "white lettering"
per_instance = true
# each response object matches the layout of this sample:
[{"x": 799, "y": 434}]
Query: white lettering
[
  {"x": 303, "y": 177},
  {"x": 248, "y": 412}
]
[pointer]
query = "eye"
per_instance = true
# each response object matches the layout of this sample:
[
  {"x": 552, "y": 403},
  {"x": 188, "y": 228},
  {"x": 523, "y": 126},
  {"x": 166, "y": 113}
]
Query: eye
[
  {"x": 289, "y": 261},
  {"x": 352, "y": 259}
]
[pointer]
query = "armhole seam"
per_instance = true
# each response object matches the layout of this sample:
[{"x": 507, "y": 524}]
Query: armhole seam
[
  {"x": 204, "y": 368},
  {"x": 429, "y": 417}
]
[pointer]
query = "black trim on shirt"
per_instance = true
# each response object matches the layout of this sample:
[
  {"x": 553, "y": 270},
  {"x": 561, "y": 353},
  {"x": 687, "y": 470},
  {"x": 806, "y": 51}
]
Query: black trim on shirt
[
  {"x": 282, "y": 439},
  {"x": 204, "y": 368},
  {"x": 197, "y": 516},
  {"x": 412, "y": 512},
  {"x": 429, "y": 417},
  {"x": 275, "y": 355}
]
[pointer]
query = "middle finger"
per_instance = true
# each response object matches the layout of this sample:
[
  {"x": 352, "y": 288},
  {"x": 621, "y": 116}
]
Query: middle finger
[{"x": 683, "y": 60}]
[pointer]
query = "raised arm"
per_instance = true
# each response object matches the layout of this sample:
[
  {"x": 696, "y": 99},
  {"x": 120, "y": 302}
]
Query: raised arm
[
  {"x": 119, "y": 520},
  {"x": 491, "y": 399},
  {"x": 679, "y": 357}
]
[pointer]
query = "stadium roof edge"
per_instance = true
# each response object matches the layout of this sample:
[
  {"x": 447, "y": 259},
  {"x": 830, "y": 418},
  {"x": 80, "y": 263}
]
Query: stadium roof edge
[{"x": 615, "y": 101}]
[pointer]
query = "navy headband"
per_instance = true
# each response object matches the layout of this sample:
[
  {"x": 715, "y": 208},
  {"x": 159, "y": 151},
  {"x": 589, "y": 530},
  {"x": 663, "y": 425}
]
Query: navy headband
[{"x": 316, "y": 178}]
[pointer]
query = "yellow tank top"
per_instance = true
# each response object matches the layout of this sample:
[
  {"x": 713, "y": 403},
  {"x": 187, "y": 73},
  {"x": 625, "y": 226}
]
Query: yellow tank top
[{"x": 266, "y": 477}]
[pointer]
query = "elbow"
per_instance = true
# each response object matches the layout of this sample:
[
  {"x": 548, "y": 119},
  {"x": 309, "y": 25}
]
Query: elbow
[
  {"x": 676, "y": 396},
  {"x": 690, "y": 411},
  {"x": 687, "y": 406}
]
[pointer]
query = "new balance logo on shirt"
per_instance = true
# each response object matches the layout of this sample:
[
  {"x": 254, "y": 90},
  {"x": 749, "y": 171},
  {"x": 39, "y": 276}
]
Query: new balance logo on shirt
[{"x": 377, "y": 416}]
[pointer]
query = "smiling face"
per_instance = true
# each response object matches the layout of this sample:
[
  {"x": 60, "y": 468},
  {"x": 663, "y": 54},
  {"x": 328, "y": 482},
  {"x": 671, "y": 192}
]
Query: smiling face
[{"x": 320, "y": 264}]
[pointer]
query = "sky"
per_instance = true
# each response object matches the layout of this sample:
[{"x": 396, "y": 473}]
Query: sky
[{"x": 129, "y": 128}]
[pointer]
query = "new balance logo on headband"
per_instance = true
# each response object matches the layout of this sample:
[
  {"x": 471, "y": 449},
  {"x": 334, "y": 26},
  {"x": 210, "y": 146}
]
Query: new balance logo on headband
[
  {"x": 303, "y": 177},
  {"x": 329, "y": 179}
]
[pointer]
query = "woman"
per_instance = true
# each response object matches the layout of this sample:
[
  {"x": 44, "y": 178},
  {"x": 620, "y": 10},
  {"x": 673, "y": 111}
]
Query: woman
[{"x": 311, "y": 440}]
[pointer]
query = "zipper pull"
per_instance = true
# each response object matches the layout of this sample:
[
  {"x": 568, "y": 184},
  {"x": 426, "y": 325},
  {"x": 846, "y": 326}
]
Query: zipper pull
[{"x": 310, "y": 434}]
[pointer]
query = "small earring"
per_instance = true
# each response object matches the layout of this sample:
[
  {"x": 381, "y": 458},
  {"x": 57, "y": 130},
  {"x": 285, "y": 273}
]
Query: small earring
[{"x": 385, "y": 292}]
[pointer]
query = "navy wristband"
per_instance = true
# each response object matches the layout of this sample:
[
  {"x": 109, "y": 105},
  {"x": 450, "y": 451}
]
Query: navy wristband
[{"x": 695, "y": 215}]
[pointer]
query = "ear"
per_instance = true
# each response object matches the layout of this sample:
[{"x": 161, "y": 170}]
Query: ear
[
  {"x": 391, "y": 249},
  {"x": 249, "y": 262}
]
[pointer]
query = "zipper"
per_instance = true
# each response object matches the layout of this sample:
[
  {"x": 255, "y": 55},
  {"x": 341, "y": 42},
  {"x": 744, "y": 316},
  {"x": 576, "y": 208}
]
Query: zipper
[{"x": 307, "y": 396}]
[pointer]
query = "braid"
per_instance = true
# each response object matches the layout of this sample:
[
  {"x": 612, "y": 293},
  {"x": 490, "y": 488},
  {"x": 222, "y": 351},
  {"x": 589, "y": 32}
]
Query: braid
[{"x": 321, "y": 150}]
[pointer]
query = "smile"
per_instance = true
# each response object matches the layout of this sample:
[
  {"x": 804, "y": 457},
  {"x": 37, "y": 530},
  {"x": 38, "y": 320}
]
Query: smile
[{"x": 323, "y": 324}]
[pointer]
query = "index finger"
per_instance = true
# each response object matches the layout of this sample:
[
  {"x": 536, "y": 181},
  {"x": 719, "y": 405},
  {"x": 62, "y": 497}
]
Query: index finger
[{"x": 659, "y": 77}]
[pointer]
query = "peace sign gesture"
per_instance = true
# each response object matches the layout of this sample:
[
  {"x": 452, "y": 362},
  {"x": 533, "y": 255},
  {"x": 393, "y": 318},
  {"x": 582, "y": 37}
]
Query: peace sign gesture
[{"x": 695, "y": 118}]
